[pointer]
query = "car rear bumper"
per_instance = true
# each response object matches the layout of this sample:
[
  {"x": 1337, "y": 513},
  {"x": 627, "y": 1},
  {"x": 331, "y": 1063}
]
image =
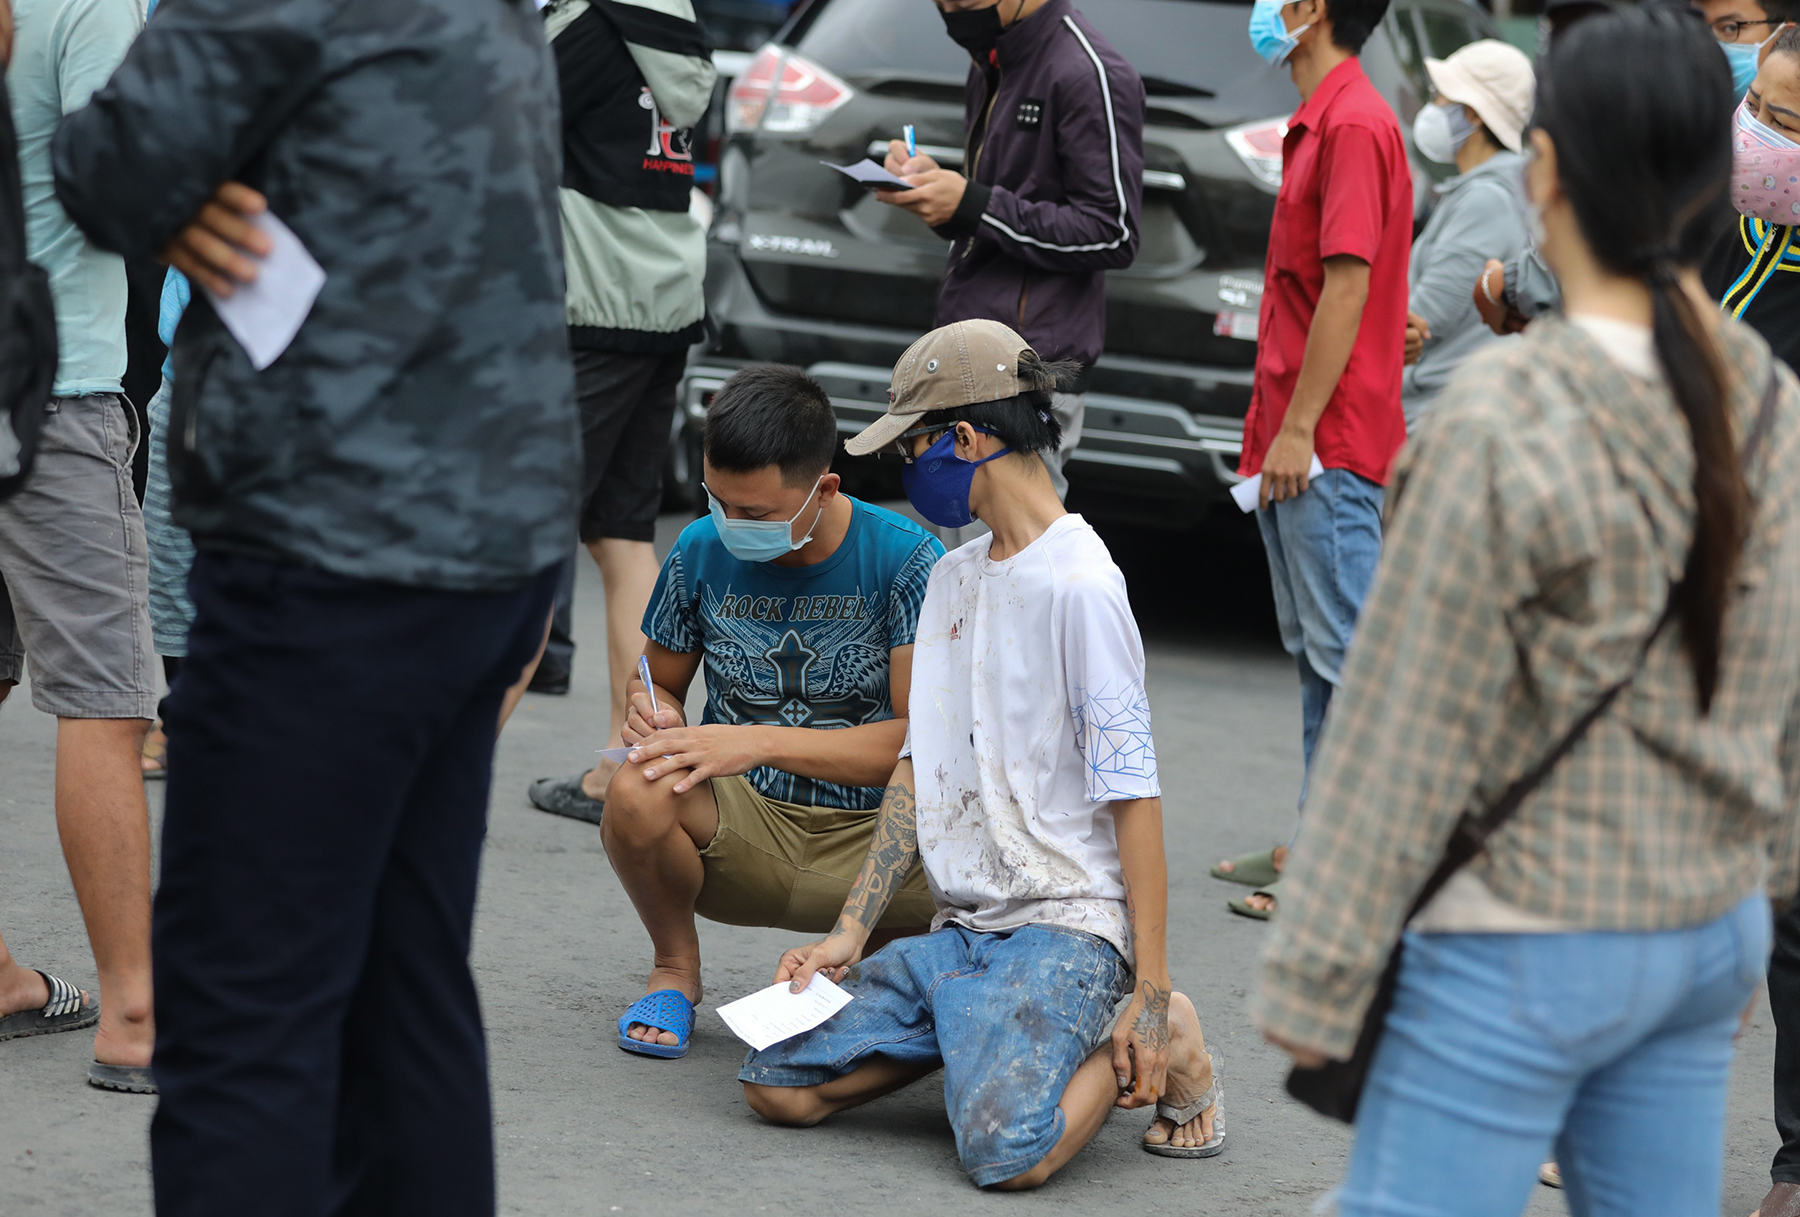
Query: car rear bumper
[
  {"x": 1138, "y": 460},
  {"x": 1142, "y": 456}
]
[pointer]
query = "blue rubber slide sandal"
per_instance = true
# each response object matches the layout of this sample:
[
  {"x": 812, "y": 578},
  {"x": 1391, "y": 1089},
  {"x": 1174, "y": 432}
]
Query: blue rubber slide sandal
[{"x": 666, "y": 1010}]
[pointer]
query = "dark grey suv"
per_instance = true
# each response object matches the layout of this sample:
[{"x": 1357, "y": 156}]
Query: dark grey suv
[{"x": 806, "y": 268}]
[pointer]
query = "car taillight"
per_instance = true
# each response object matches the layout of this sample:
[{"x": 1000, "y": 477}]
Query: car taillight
[
  {"x": 1259, "y": 146},
  {"x": 782, "y": 91}
]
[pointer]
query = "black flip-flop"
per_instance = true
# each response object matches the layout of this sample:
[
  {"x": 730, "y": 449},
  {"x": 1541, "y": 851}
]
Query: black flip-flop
[
  {"x": 130, "y": 1079},
  {"x": 67, "y": 1010}
]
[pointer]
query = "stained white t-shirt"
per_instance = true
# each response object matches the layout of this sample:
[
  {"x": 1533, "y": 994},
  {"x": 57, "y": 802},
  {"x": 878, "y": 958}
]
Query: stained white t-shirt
[{"x": 1028, "y": 720}]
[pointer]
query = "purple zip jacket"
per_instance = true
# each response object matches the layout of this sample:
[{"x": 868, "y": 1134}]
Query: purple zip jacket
[{"x": 1055, "y": 162}]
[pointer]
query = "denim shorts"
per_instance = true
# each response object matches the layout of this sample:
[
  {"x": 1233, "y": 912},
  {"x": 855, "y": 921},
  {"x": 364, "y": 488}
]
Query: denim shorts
[{"x": 1009, "y": 1014}]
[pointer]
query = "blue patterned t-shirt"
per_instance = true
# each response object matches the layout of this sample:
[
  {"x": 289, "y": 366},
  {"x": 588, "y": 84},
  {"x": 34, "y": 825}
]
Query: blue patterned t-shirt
[{"x": 798, "y": 646}]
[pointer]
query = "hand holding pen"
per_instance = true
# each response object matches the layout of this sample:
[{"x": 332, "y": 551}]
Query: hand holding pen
[
  {"x": 647, "y": 715},
  {"x": 903, "y": 155}
]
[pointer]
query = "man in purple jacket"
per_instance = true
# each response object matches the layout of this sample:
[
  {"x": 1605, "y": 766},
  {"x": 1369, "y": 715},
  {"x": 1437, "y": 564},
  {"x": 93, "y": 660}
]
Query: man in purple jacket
[{"x": 1054, "y": 161}]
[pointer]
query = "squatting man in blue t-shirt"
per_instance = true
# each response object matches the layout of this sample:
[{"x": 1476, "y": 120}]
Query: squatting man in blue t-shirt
[
  {"x": 1028, "y": 789},
  {"x": 801, "y": 602}
]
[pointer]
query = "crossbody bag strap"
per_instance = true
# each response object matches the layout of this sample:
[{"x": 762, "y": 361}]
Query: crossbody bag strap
[{"x": 1472, "y": 831}]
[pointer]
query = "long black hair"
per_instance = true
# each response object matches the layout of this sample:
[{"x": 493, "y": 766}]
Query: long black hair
[{"x": 1639, "y": 105}]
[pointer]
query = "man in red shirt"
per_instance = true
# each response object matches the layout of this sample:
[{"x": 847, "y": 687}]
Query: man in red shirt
[{"x": 1329, "y": 354}]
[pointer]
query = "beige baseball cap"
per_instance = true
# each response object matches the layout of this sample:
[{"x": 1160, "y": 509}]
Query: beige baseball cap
[
  {"x": 961, "y": 364},
  {"x": 1495, "y": 79}
]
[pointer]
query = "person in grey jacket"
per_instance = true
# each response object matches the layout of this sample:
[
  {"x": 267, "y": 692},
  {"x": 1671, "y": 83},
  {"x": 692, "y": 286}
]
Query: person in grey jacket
[
  {"x": 380, "y": 517},
  {"x": 1476, "y": 122}
]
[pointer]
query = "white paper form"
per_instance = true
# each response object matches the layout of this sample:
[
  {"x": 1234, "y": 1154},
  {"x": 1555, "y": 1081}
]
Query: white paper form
[
  {"x": 265, "y": 315},
  {"x": 869, "y": 173},
  {"x": 1245, "y": 492},
  {"x": 615, "y": 754},
  {"x": 771, "y": 1015}
]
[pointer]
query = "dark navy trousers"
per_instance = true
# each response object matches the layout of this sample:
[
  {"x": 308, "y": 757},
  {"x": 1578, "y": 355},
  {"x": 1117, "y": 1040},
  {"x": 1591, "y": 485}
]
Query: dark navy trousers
[
  {"x": 1784, "y": 1004},
  {"x": 319, "y": 1044}
]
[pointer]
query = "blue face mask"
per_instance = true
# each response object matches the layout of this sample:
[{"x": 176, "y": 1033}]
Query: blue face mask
[
  {"x": 1743, "y": 58},
  {"x": 1269, "y": 33},
  {"x": 937, "y": 482},
  {"x": 762, "y": 540}
]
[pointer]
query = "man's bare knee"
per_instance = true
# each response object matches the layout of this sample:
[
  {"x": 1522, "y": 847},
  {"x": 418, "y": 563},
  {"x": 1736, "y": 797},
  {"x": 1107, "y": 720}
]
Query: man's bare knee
[
  {"x": 637, "y": 812},
  {"x": 799, "y": 1106}
]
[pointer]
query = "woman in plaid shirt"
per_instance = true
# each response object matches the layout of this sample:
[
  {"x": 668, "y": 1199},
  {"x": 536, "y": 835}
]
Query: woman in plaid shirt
[{"x": 1577, "y": 985}]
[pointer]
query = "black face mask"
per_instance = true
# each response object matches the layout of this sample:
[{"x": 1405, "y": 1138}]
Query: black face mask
[{"x": 975, "y": 30}]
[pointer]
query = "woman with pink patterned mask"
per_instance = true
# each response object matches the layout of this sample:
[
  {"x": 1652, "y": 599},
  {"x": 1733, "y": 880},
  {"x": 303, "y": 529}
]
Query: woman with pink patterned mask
[{"x": 1753, "y": 270}]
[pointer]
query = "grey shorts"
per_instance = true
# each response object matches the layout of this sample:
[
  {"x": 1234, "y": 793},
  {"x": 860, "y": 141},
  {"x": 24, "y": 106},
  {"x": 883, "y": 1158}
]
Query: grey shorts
[{"x": 74, "y": 575}]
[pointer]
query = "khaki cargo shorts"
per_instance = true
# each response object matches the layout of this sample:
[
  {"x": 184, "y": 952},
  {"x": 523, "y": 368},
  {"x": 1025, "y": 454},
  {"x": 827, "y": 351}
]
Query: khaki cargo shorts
[{"x": 788, "y": 866}]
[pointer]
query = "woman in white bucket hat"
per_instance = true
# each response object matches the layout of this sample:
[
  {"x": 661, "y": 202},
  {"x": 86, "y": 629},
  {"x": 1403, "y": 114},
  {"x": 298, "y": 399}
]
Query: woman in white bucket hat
[{"x": 1476, "y": 122}]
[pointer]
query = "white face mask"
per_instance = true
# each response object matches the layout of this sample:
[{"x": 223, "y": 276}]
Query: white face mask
[{"x": 1440, "y": 131}]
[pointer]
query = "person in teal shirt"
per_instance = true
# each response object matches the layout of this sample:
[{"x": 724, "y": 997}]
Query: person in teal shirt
[
  {"x": 171, "y": 548},
  {"x": 78, "y": 43},
  {"x": 72, "y": 551}
]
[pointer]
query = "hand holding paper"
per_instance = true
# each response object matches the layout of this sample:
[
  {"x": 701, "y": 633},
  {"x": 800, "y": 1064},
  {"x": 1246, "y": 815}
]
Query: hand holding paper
[
  {"x": 1245, "y": 492},
  {"x": 771, "y": 1015},
  {"x": 221, "y": 246}
]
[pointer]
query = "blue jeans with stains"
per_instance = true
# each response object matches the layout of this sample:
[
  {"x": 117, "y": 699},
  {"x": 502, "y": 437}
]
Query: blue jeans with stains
[
  {"x": 1322, "y": 547},
  {"x": 1609, "y": 1051},
  {"x": 1009, "y": 1014}
]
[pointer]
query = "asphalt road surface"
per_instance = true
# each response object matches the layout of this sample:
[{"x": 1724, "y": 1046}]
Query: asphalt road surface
[{"x": 584, "y": 1128}]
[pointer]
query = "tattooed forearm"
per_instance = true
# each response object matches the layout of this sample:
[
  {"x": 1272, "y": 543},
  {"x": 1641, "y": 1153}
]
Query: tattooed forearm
[
  {"x": 892, "y": 853},
  {"x": 1152, "y": 1026}
]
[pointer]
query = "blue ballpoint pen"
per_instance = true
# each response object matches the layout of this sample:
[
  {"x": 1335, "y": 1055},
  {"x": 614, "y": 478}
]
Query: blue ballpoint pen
[
  {"x": 912, "y": 149},
  {"x": 644, "y": 675}
]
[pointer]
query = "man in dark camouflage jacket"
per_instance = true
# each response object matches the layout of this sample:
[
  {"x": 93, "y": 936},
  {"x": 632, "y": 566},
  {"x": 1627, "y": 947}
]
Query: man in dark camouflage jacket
[{"x": 380, "y": 515}]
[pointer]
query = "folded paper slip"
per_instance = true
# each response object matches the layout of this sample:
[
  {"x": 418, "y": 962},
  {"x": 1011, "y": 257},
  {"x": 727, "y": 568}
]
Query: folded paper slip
[
  {"x": 868, "y": 173},
  {"x": 264, "y": 315},
  {"x": 771, "y": 1015},
  {"x": 1245, "y": 492}
]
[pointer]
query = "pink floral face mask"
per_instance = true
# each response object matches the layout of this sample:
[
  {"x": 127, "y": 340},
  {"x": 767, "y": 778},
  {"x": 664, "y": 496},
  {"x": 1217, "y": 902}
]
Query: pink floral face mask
[{"x": 1765, "y": 171}]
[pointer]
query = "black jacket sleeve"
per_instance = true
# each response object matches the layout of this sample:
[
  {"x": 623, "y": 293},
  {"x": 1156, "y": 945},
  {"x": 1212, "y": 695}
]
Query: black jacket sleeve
[{"x": 200, "y": 93}]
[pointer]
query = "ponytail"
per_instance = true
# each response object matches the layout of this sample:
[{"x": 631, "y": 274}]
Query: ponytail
[
  {"x": 1690, "y": 364},
  {"x": 1638, "y": 102}
]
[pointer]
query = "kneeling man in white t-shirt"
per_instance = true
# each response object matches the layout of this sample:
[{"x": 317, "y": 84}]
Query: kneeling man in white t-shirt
[{"x": 1028, "y": 789}]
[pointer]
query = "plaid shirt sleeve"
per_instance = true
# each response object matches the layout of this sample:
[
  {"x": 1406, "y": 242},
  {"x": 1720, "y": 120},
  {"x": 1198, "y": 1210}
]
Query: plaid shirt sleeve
[
  {"x": 1784, "y": 843},
  {"x": 1424, "y": 680}
]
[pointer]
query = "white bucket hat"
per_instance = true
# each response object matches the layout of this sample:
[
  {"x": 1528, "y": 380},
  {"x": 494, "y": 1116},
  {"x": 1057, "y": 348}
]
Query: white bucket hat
[{"x": 1494, "y": 79}]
